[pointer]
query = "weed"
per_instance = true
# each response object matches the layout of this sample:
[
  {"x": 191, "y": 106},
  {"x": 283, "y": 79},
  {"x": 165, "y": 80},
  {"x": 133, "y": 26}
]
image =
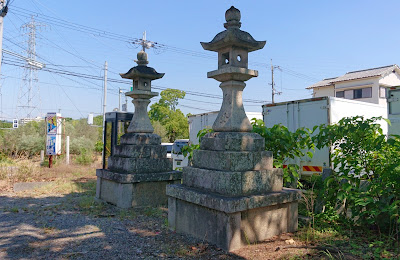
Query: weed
[
  {"x": 14, "y": 210},
  {"x": 153, "y": 212},
  {"x": 126, "y": 214},
  {"x": 85, "y": 157},
  {"x": 166, "y": 223},
  {"x": 86, "y": 202}
]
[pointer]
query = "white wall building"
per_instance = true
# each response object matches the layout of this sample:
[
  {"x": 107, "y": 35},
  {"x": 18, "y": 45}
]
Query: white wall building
[{"x": 364, "y": 85}]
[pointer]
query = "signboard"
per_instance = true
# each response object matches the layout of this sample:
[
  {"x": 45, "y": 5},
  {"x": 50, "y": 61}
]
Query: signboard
[
  {"x": 51, "y": 144},
  {"x": 53, "y": 129}
]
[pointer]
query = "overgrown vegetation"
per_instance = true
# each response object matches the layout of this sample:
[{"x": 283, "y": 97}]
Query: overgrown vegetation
[
  {"x": 364, "y": 187},
  {"x": 29, "y": 139},
  {"x": 363, "y": 192}
]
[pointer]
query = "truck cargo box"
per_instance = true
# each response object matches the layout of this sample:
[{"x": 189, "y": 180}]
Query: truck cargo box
[
  {"x": 316, "y": 111},
  {"x": 206, "y": 120}
]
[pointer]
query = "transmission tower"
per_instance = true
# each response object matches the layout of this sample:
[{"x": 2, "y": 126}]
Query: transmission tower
[{"x": 29, "y": 102}]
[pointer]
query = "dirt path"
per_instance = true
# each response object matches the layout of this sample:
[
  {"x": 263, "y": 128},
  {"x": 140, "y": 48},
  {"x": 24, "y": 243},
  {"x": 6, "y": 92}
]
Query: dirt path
[{"x": 73, "y": 226}]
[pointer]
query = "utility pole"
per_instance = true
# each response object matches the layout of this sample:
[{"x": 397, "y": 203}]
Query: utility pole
[
  {"x": 104, "y": 99},
  {"x": 119, "y": 99},
  {"x": 105, "y": 91},
  {"x": 274, "y": 92},
  {"x": 3, "y": 13},
  {"x": 126, "y": 104}
]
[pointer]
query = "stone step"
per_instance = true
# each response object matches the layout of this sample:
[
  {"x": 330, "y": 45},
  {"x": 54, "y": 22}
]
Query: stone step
[
  {"x": 232, "y": 141},
  {"x": 140, "y": 139},
  {"x": 231, "y": 204},
  {"x": 139, "y": 165},
  {"x": 232, "y": 161},
  {"x": 138, "y": 177},
  {"x": 233, "y": 183},
  {"x": 140, "y": 151}
]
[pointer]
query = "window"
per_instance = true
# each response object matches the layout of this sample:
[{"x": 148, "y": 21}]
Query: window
[
  {"x": 225, "y": 57},
  {"x": 362, "y": 93},
  {"x": 348, "y": 94},
  {"x": 340, "y": 94},
  {"x": 382, "y": 92}
]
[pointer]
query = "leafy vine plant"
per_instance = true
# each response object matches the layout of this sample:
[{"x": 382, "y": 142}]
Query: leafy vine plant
[
  {"x": 187, "y": 150},
  {"x": 286, "y": 147}
]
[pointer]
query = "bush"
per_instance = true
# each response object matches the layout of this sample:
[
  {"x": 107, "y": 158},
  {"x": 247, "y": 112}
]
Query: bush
[
  {"x": 85, "y": 157},
  {"x": 365, "y": 183},
  {"x": 26, "y": 140},
  {"x": 81, "y": 143}
]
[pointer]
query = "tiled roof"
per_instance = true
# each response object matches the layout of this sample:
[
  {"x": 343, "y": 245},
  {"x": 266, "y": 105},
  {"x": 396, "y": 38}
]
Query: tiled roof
[{"x": 359, "y": 74}]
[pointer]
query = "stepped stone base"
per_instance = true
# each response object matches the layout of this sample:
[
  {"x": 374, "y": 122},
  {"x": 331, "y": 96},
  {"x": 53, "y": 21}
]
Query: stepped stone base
[
  {"x": 134, "y": 190},
  {"x": 228, "y": 183},
  {"x": 231, "y": 222}
]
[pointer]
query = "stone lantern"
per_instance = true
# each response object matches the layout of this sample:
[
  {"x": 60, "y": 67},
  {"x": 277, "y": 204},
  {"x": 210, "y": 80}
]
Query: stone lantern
[
  {"x": 232, "y": 195},
  {"x": 141, "y": 76},
  {"x": 233, "y": 46},
  {"x": 139, "y": 170}
]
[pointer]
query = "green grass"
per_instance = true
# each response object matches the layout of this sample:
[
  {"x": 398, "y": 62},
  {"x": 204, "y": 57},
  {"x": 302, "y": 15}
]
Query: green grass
[
  {"x": 359, "y": 242},
  {"x": 153, "y": 212}
]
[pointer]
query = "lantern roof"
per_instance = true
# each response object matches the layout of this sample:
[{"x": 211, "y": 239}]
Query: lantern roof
[
  {"x": 233, "y": 36},
  {"x": 142, "y": 70}
]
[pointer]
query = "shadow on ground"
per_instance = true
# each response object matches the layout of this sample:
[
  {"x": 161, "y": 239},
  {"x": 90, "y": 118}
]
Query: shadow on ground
[{"x": 74, "y": 226}]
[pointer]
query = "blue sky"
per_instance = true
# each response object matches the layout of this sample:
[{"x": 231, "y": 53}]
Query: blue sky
[{"x": 309, "y": 40}]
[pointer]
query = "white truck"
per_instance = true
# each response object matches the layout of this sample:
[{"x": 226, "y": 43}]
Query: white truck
[
  {"x": 206, "y": 120},
  {"x": 179, "y": 160},
  {"x": 393, "y": 94},
  {"x": 316, "y": 111}
]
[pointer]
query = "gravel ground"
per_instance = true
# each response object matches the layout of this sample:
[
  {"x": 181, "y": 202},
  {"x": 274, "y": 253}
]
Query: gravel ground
[{"x": 69, "y": 226}]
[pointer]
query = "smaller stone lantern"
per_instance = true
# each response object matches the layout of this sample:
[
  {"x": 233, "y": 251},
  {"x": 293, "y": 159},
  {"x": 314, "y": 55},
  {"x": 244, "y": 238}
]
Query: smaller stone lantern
[
  {"x": 138, "y": 170},
  {"x": 141, "y": 75}
]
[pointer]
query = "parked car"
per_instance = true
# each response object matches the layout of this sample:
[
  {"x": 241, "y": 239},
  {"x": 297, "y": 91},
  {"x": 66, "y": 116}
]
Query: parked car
[
  {"x": 179, "y": 160},
  {"x": 169, "y": 149}
]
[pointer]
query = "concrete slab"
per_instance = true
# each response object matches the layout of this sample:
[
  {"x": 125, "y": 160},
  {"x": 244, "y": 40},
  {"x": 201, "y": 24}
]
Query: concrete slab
[{"x": 24, "y": 186}]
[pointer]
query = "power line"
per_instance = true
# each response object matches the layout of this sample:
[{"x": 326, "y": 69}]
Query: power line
[
  {"x": 109, "y": 35},
  {"x": 93, "y": 77}
]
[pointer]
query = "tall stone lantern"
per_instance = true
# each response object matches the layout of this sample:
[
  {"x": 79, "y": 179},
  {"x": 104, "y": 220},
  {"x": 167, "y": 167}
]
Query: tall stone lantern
[
  {"x": 139, "y": 170},
  {"x": 233, "y": 46},
  {"x": 232, "y": 195}
]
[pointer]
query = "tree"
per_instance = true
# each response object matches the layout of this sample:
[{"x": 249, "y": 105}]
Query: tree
[
  {"x": 170, "y": 97},
  {"x": 172, "y": 119},
  {"x": 160, "y": 130}
]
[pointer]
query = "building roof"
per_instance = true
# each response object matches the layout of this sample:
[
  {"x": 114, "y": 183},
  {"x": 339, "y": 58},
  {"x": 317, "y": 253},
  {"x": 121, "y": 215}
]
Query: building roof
[{"x": 359, "y": 74}]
